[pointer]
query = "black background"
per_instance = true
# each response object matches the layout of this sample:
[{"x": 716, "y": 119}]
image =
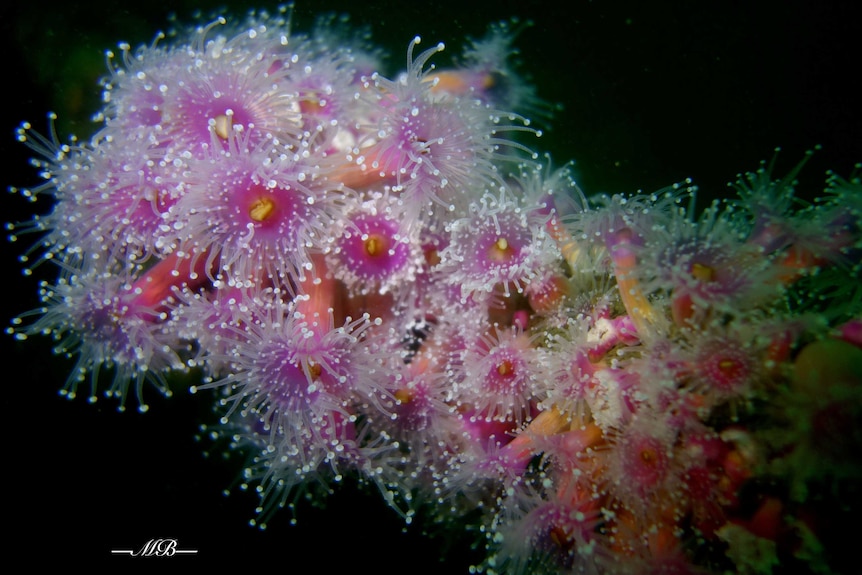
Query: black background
[{"x": 653, "y": 92}]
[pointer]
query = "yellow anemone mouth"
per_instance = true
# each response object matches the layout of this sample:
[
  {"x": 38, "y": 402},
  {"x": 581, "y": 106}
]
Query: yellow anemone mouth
[
  {"x": 505, "y": 368},
  {"x": 702, "y": 273},
  {"x": 261, "y": 209},
  {"x": 404, "y": 395},
  {"x": 501, "y": 250},
  {"x": 313, "y": 370},
  {"x": 223, "y": 125},
  {"x": 375, "y": 245},
  {"x": 649, "y": 457}
]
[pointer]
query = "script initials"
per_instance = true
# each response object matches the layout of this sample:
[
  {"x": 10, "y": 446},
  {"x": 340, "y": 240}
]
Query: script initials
[{"x": 158, "y": 548}]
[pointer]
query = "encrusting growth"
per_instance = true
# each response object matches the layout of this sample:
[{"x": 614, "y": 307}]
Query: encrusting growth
[{"x": 380, "y": 279}]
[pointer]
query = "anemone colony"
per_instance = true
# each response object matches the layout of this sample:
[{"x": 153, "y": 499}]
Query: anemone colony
[{"x": 378, "y": 278}]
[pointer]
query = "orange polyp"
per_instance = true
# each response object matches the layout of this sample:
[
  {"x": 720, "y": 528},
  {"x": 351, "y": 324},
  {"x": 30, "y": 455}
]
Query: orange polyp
[
  {"x": 156, "y": 285},
  {"x": 569, "y": 248},
  {"x": 551, "y": 422},
  {"x": 505, "y": 368},
  {"x": 449, "y": 81},
  {"x": 261, "y": 209},
  {"x": 796, "y": 262},
  {"x": 319, "y": 289},
  {"x": 548, "y": 296},
  {"x": 354, "y": 175},
  {"x": 457, "y": 82},
  {"x": 682, "y": 309},
  {"x": 633, "y": 298}
]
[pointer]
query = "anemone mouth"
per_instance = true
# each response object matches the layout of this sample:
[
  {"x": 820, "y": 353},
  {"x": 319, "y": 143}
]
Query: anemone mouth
[
  {"x": 505, "y": 372},
  {"x": 646, "y": 462},
  {"x": 373, "y": 252},
  {"x": 193, "y": 120},
  {"x": 505, "y": 369},
  {"x": 702, "y": 272},
  {"x": 726, "y": 368},
  {"x": 262, "y": 209},
  {"x": 501, "y": 251},
  {"x": 375, "y": 245},
  {"x": 265, "y": 208},
  {"x": 731, "y": 369},
  {"x": 223, "y": 124}
]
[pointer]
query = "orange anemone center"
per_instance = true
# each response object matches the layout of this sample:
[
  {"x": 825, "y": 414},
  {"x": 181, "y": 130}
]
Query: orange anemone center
[
  {"x": 375, "y": 245},
  {"x": 505, "y": 368},
  {"x": 702, "y": 273}
]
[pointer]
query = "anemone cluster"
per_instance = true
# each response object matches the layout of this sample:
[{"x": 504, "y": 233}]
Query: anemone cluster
[{"x": 378, "y": 279}]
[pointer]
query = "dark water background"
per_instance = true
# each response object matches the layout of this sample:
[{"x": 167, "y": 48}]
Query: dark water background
[{"x": 653, "y": 92}]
